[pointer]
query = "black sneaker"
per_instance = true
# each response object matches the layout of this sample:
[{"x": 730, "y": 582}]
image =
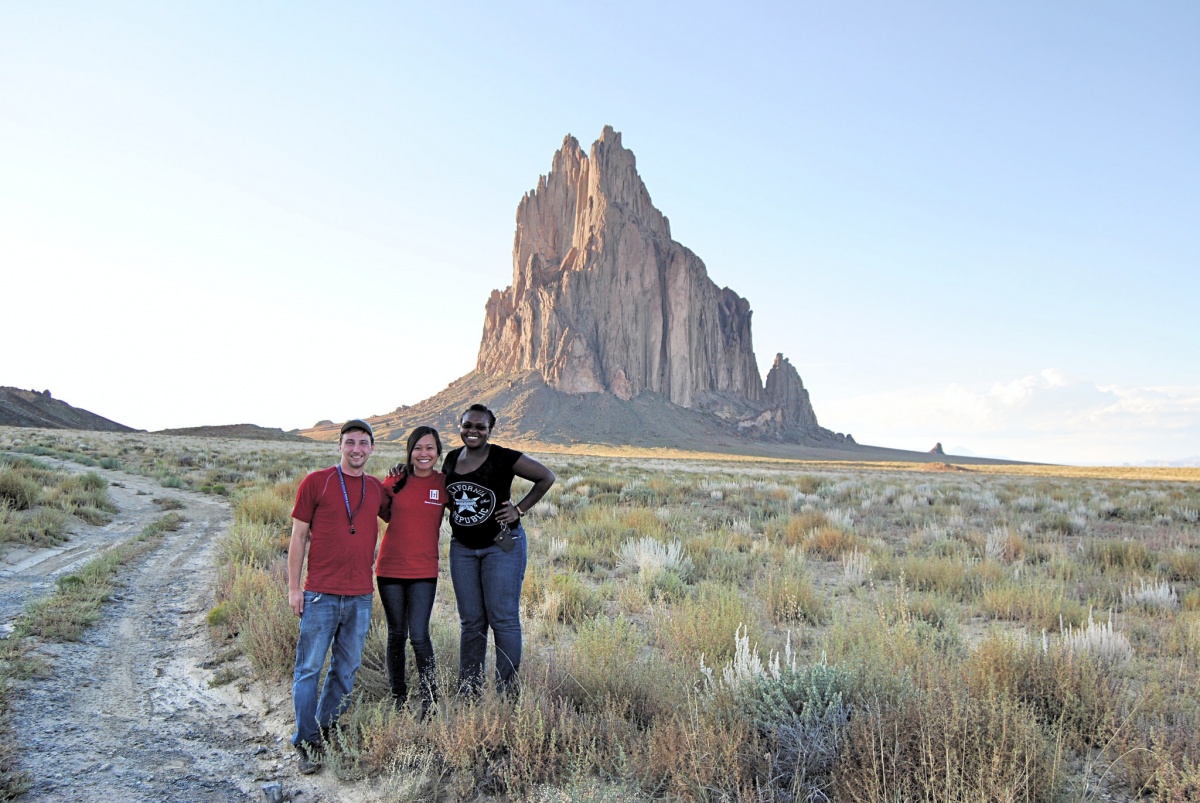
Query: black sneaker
[{"x": 311, "y": 758}]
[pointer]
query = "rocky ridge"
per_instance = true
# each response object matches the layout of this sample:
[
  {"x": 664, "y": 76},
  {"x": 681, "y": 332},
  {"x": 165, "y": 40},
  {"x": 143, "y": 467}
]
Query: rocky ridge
[{"x": 246, "y": 431}]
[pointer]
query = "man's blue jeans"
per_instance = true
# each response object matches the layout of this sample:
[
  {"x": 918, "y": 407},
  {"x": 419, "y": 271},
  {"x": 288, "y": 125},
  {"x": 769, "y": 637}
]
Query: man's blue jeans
[
  {"x": 487, "y": 586},
  {"x": 328, "y": 620}
]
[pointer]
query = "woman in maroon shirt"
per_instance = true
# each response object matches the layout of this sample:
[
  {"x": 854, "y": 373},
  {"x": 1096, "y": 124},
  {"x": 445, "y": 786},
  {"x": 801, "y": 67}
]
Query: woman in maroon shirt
[{"x": 406, "y": 568}]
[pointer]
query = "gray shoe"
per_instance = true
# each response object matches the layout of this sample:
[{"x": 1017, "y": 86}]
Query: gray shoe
[{"x": 311, "y": 758}]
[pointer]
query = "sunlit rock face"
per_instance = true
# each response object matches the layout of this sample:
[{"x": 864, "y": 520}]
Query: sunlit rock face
[{"x": 603, "y": 299}]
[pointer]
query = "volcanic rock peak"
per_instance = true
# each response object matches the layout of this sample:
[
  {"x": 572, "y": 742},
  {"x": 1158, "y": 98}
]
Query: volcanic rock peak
[{"x": 603, "y": 300}]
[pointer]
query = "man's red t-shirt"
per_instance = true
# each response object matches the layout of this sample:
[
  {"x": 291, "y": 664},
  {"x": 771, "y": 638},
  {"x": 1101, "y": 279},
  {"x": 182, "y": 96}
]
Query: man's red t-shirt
[
  {"x": 339, "y": 562},
  {"x": 409, "y": 549}
]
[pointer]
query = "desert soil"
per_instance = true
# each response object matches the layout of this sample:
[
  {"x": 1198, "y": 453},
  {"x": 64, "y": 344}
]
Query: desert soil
[{"x": 127, "y": 713}]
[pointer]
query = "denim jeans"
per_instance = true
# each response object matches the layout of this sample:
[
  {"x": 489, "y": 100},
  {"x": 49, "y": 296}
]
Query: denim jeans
[
  {"x": 328, "y": 620},
  {"x": 487, "y": 585},
  {"x": 407, "y": 606}
]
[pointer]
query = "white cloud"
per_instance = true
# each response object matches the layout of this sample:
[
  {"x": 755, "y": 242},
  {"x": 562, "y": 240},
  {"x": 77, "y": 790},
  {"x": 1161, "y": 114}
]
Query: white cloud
[{"x": 1047, "y": 416}]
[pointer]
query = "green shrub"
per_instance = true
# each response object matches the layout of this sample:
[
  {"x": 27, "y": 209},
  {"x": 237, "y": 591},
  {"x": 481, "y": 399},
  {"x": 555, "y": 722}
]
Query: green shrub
[
  {"x": 1072, "y": 692},
  {"x": 802, "y": 715}
]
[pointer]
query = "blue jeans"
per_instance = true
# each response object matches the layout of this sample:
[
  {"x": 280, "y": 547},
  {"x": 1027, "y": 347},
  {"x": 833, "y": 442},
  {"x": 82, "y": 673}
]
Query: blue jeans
[
  {"x": 328, "y": 620},
  {"x": 487, "y": 585},
  {"x": 407, "y": 606}
]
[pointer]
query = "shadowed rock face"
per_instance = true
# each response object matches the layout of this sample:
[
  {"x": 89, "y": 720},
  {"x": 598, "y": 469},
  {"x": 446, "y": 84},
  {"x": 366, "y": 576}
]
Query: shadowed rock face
[{"x": 603, "y": 300}]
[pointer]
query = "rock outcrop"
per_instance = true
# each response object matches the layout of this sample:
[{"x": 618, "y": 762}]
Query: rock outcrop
[
  {"x": 604, "y": 301},
  {"x": 937, "y": 448}
]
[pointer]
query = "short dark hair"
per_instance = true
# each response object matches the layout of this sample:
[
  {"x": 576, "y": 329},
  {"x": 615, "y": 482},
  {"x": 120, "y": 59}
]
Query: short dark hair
[{"x": 479, "y": 408}]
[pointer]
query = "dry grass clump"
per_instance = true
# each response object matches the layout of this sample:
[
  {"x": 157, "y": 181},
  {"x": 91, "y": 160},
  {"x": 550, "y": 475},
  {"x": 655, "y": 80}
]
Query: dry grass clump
[
  {"x": 791, "y": 597},
  {"x": 271, "y": 507},
  {"x": 1122, "y": 556},
  {"x": 795, "y": 529},
  {"x": 559, "y": 597},
  {"x": 700, "y": 623},
  {"x": 942, "y": 743},
  {"x": 18, "y": 490},
  {"x": 830, "y": 543},
  {"x": 1039, "y": 604}
]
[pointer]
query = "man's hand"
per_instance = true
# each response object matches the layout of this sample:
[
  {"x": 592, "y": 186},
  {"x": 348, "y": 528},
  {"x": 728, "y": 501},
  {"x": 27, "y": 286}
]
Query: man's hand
[{"x": 296, "y": 600}]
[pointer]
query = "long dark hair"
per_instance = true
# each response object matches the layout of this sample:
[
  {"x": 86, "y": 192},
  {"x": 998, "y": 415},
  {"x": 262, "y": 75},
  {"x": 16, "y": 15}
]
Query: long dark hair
[{"x": 413, "y": 437}]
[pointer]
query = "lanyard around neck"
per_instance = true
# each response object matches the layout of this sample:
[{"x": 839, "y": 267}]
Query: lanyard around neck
[{"x": 346, "y": 497}]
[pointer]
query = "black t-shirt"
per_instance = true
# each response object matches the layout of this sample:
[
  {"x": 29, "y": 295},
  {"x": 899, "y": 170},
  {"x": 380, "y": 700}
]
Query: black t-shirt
[{"x": 476, "y": 495}]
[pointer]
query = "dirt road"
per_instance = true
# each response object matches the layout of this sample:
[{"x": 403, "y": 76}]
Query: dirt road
[{"x": 127, "y": 713}]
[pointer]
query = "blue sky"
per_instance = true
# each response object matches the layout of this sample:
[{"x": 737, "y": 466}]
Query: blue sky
[{"x": 973, "y": 223}]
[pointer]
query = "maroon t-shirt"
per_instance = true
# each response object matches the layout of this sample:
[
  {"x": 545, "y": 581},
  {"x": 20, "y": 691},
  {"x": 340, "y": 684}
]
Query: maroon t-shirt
[
  {"x": 339, "y": 562},
  {"x": 409, "y": 549}
]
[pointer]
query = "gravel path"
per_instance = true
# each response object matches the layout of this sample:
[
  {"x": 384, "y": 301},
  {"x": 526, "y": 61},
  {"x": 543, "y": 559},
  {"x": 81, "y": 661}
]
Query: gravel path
[{"x": 127, "y": 713}]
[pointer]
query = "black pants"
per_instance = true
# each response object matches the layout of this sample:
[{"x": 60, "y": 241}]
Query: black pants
[{"x": 407, "y": 605}]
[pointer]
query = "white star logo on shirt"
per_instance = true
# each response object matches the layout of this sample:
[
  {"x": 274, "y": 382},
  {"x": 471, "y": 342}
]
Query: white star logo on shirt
[{"x": 466, "y": 504}]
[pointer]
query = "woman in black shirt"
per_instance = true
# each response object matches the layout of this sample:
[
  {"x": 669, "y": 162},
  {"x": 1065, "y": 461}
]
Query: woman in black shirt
[{"x": 487, "y": 547}]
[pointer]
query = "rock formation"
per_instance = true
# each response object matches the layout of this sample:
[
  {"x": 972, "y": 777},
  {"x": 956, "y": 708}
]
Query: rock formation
[
  {"x": 937, "y": 448},
  {"x": 612, "y": 332},
  {"x": 604, "y": 301}
]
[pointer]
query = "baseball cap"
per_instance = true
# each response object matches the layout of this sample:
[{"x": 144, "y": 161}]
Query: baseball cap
[{"x": 357, "y": 423}]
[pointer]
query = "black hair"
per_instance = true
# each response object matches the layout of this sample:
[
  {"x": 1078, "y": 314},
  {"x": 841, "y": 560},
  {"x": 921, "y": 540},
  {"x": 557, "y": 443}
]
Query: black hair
[
  {"x": 413, "y": 437},
  {"x": 479, "y": 408}
]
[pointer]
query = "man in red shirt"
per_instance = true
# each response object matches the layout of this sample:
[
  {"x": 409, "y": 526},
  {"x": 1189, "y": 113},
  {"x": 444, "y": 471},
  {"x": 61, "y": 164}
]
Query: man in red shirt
[{"x": 336, "y": 518}]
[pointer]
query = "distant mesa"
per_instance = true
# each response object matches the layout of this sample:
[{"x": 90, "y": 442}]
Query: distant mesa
[
  {"x": 612, "y": 332},
  {"x": 245, "y": 431},
  {"x": 937, "y": 448},
  {"x": 31, "y": 408}
]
